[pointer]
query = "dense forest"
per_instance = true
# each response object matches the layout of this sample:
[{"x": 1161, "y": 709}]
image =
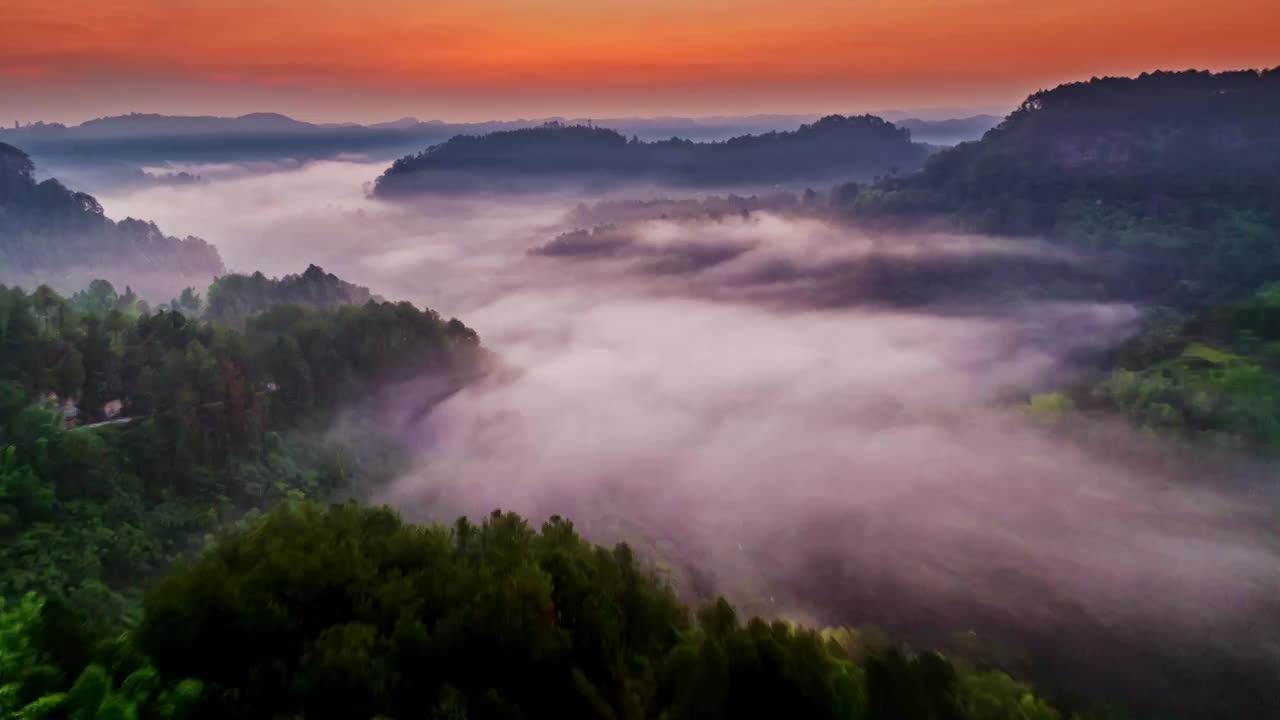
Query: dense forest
[
  {"x": 235, "y": 298},
  {"x": 350, "y": 612},
  {"x": 833, "y": 147},
  {"x": 47, "y": 229},
  {"x": 128, "y": 434},
  {"x": 1172, "y": 180}
]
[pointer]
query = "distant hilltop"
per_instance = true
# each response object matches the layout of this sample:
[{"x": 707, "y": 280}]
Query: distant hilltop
[
  {"x": 834, "y": 147},
  {"x": 950, "y": 131},
  {"x": 152, "y": 124}
]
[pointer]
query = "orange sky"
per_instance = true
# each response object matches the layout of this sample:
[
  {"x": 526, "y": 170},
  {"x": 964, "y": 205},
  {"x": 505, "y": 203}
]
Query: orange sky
[{"x": 470, "y": 59}]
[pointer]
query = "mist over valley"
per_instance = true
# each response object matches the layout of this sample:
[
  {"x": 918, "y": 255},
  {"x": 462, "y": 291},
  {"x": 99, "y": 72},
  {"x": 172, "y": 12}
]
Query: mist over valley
[{"x": 1016, "y": 401}]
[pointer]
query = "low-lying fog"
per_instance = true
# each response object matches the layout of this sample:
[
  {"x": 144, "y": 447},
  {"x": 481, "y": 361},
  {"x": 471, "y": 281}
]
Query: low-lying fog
[{"x": 707, "y": 391}]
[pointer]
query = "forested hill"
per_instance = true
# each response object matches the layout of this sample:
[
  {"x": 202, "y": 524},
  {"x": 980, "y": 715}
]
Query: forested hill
[
  {"x": 47, "y": 230},
  {"x": 1160, "y": 124},
  {"x": 235, "y": 298},
  {"x": 126, "y": 434},
  {"x": 1173, "y": 176},
  {"x": 833, "y": 147}
]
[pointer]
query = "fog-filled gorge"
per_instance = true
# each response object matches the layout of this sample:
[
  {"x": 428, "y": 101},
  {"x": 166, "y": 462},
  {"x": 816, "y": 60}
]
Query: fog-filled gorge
[{"x": 700, "y": 388}]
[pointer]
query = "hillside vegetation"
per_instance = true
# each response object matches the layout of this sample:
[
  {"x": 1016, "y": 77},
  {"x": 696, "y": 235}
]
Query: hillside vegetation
[{"x": 352, "y": 613}]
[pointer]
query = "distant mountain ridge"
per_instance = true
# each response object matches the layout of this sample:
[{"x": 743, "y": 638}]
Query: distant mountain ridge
[
  {"x": 153, "y": 124},
  {"x": 655, "y": 127},
  {"x": 950, "y": 131},
  {"x": 111, "y": 153},
  {"x": 139, "y": 139},
  {"x": 834, "y": 147},
  {"x": 267, "y": 123}
]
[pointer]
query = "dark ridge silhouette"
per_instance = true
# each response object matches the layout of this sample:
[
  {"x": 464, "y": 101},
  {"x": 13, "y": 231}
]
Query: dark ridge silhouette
[
  {"x": 1157, "y": 124},
  {"x": 158, "y": 126},
  {"x": 834, "y": 147},
  {"x": 1161, "y": 126},
  {"x": 1171, "y": 177},
  {"x": 47, "y": 229}
]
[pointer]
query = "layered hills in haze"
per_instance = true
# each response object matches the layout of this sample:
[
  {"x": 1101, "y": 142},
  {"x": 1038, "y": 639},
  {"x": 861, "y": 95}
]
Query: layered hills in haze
[
  {"x": 134, "y": 150},
  {"x": 50, "y": 232},
  {"x": 949, "y": 131}
]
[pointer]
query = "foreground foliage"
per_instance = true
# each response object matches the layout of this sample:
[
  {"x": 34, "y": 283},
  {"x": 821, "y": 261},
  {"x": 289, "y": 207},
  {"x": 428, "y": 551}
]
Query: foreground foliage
[{"x": 350, "y": 612}]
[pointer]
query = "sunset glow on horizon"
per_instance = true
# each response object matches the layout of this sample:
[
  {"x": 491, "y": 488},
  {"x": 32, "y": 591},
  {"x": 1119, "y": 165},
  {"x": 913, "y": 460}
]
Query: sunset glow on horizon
[{"x": 70, "y": 60}]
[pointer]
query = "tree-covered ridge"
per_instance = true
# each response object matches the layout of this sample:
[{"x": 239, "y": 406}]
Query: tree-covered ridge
[
  {"x": 126, "y": 436},
  {"x": 44, "y": 227},
  {"x": 351, "y": 612},
  {"x": 1173, "y": 179},
  {"x": 833, "y": 147},
  {"x": 1156, "y": 123},
  {"x": 1160, "y": 124},
  {"x": 236, "y": 297},
  {"x": 550, "y": 150}
]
